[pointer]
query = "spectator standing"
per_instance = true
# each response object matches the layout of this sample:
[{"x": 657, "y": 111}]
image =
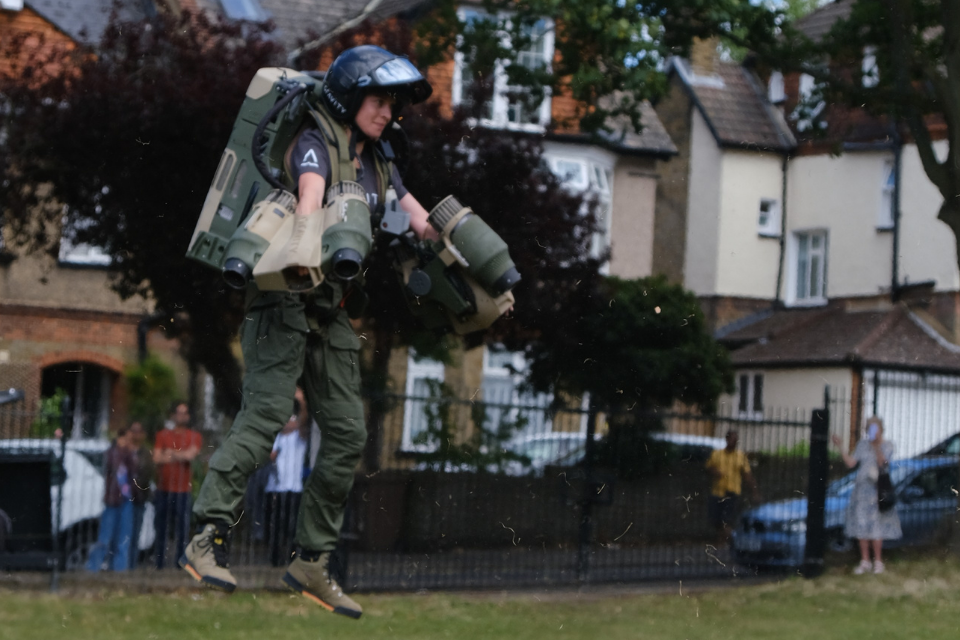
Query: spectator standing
[
  {"x": 864, "y": 520},
  {"x": 116, "y": 521},
  {"x": 284, "y": 487},
  {"x": 142, "y": 474},
  {"x": 729, "y": 469},
  {"x": 174, "y": 451}
]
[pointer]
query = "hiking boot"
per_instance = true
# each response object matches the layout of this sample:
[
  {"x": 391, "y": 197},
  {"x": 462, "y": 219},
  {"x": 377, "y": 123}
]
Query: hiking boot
[
  {"x": 310, "y": 577},
  {"x": 206, "y": 558}
]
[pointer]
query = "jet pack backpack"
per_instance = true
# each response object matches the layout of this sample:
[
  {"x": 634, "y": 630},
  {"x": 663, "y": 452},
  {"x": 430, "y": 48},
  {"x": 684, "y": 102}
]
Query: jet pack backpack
[{"x": 274, "y": 111}]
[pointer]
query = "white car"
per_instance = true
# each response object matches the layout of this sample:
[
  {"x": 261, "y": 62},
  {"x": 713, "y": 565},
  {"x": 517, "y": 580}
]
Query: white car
[{"x": 83, "y": 487}]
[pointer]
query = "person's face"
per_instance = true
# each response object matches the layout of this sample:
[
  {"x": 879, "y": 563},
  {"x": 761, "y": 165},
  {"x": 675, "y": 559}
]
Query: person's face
[
  {"x": 732, "y": 439},
  {"x": 375, "y": 113},
  {"x": 137, "y": 434},
  {"x": 181, "y": 415}
]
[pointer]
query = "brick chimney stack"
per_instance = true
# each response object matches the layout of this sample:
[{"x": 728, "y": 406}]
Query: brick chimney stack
[{"x": 704, "y": 56}]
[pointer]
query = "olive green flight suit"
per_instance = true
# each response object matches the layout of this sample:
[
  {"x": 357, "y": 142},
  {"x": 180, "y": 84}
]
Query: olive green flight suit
[{"x": 285, "y": 336}]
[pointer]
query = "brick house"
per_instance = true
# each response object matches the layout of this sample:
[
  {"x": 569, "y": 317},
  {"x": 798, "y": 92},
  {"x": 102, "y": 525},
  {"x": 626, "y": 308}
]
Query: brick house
[{"x": 61, "y": 326}]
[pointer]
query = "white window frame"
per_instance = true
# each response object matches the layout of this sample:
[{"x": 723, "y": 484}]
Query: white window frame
[
  {"x": 770, "y": 229},
  {"x": 869, "y": 71},
  {"x": 413, "y": 411},
  {"x": 807, "y": 86},
  {"x": 512, "y": 373},
  {"x": 501, "y": 106},
  {"x": 80, "y": 253},
  {"x": 776, "y": 92},
  {"x": 597, "y": 171},
  {"x": 797, "y": 269},
  {"x": 885, "y": 219},
  {"x": 748, "y": 396}
]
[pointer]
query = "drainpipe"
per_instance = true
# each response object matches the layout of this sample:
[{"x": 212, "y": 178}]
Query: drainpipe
[
  {"x": 777, "y": 302},
  {"x": 143, "y": 328},
  {"x": 897, "y": 171}
]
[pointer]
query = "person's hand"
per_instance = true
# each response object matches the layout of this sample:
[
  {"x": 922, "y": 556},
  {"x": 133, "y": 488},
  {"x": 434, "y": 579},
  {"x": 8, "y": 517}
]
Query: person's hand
[
  {"x": 837, "y": 442},
  {"x": 274, "y": 454}
]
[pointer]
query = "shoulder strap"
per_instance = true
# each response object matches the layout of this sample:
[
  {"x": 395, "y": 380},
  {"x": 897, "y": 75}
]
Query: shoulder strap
[{"x": 338, "y": 145}]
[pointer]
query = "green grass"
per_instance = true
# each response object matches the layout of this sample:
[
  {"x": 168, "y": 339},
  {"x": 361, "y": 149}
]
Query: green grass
[{"x": 916, "y": 599}]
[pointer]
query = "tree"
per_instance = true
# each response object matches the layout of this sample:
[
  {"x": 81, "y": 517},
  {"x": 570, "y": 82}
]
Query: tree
[{"x": 119, "y": 144}]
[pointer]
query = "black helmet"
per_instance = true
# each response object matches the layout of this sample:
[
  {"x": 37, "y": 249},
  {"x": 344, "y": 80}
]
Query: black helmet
[{"x": 357, "y": 71}]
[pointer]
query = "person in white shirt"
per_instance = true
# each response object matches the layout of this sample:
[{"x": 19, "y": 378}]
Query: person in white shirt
[{"x": 284, "y": 487}]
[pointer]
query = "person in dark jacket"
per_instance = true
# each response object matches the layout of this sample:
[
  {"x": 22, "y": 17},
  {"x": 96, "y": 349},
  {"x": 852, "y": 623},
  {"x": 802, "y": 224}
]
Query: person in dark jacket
[{"x": 116, "y": 521}]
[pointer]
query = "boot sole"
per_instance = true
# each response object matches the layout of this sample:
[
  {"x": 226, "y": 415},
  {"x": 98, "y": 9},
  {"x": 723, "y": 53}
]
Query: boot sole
[
  {"x": 213, "y": 583},
  {"x": 295, "y": 585}
]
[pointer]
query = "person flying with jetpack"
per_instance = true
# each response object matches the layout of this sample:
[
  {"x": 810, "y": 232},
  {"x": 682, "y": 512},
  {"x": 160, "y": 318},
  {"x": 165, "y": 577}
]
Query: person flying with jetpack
[{"x": 307, "y": 179}]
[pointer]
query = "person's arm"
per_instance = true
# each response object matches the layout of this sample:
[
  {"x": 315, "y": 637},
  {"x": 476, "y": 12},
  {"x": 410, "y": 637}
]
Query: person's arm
[
  {"x": 878, "y": 450},
  {"x": 847, "y": 458},
  {"x": 311, "y": 188},
  {"x": 161, "y": 454},
  {"x": 418, "y": 218}
]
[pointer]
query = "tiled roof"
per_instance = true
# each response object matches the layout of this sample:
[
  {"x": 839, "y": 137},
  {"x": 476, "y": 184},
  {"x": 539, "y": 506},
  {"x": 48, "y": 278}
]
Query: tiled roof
[
  {"x": 297, "y": 20},
  {"x": 836, "y": 335},
  {"x": 85, "y": 20},
  {"x": 735, "y": 106},
  {"x": 652, "y": 139},
  {"x": 817, "y": 24}
]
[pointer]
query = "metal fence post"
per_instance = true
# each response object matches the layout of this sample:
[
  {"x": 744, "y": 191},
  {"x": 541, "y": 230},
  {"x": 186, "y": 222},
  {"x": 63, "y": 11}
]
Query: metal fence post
[
  {"x": 65, "y": 421},
  {"x": 817, "y": 489},
  {"x": 587, "y": 499}
]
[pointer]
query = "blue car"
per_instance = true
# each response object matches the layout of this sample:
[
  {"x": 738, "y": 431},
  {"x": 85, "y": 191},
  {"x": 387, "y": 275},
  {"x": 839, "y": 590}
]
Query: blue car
[{"x": 775, "y": 534}]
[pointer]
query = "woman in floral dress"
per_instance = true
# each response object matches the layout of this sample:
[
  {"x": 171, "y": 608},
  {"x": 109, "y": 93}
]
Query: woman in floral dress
[{"x": 864, "y": 520}]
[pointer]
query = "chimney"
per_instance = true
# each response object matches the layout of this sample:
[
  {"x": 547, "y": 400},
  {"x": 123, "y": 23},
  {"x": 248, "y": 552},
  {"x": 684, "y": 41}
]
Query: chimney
[{"x": 703, "y": 56}]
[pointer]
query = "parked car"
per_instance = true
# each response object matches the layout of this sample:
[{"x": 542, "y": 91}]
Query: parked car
[
  {"x": 81, "y": 480},
  {"x": 775, "y": 534},
  {"x": 567, "y": 449},
  {"x": 949, "y": 447}
]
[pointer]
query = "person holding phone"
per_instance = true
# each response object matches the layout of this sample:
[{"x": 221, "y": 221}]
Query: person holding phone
[{"x": 864, "y": 520}]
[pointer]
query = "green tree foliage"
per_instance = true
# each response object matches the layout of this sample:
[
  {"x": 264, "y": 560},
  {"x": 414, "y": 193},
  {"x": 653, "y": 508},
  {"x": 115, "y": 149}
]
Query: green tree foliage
[
  {"x": 152, "y": 388},
  {"x": 49, "y": 415},
  {"x": 610, "y": 53},
  {"x": 915, "y": 86},
  {"x": 120, "y": 144},
  {"x": 642, "y": 345}
]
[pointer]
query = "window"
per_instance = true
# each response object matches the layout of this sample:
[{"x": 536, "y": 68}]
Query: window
[
  {"x": 80, "y": 253},
  {"x": 885, "y": 214},
  {"x": 593, "y": 176},
  {"x": 244, "y": 10},
  {"x": 503, "y": 110},
  {"x": 89, "y": 388},
  {"x": 768, "y": 220},
  {"x": 503, "y": 373},
  {"x": 811, "y": 104},
  {"x": 423, "y": 377},
  {"x": 869, "y": 72},
  {"x": 775, "y": 89},
  {"x": 750, "y": 395},
  {"x": 810, "y": 285}
]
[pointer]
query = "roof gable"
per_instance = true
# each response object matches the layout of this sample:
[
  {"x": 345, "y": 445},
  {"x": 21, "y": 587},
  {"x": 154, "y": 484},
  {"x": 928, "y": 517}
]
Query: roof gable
[
  {"x": 735, "y": 106},
  {"x": 85, "y": 20}
]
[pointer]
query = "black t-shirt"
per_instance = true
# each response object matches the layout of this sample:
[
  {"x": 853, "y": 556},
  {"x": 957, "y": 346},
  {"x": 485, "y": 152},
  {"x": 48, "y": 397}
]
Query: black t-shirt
[{"x": 310, "y": 156}]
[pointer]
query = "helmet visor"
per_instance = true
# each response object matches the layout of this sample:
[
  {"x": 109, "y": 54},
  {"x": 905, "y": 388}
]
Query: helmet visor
[{"x": 396, "y": 71}]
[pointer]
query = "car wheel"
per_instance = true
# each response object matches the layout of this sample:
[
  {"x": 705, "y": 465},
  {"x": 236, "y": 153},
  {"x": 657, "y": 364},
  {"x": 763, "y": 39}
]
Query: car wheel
[{"x": 838, "y": 542}]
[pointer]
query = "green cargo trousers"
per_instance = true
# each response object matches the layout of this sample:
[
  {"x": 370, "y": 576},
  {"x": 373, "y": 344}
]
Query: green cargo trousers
[{"x": 278, "y": 350}]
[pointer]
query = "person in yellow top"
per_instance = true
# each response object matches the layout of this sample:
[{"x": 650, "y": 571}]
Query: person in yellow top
[{"x": 728, "y": 469}]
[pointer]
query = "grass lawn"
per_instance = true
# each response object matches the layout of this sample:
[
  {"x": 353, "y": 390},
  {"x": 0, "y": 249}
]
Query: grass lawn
[{"x": 915, "y": 599}]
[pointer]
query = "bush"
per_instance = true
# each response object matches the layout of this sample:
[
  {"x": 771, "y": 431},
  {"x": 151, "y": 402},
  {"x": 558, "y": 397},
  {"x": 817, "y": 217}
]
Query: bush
[{"x": 152, "y": 385}]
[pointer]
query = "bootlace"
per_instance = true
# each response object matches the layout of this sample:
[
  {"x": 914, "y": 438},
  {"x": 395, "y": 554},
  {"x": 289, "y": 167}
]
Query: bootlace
[{"x": 219, "y": 545}]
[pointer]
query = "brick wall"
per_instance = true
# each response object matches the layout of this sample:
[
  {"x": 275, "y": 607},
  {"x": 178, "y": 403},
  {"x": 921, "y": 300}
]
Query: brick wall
[{"x": 41, "y": 37}]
